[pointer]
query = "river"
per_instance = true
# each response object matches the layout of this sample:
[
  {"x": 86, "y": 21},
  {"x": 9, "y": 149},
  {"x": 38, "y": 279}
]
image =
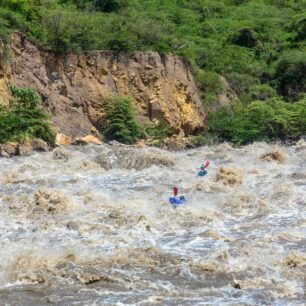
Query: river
[{"x": 91, "y": 225}]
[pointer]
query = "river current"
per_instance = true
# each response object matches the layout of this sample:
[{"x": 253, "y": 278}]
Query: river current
[{"x": 92, "y": 225}]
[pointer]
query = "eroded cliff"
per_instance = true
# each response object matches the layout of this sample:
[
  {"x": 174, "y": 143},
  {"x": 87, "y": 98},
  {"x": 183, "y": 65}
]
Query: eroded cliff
[{"x": 72, "y": 86}]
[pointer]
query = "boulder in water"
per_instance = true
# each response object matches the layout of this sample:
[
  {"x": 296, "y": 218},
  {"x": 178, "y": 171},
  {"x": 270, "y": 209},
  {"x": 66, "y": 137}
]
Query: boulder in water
[
  {"x": 236, "y": 285},
  {"x": 39, "y": 145},
  {"x": 24, "y": 149},
  {"x": 62, "y": 139},
  {"x": 83, "y": 141},
  {"x": 174, "y": 144},
  {"x": 132, "y": 158},
  {"x": 301, "y": 145},
  {"x": 60, "y": 153}
]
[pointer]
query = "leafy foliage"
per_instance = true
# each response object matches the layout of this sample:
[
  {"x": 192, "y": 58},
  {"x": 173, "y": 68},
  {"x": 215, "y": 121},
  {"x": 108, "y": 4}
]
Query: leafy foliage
[
  {"x": 24, "y": 119},
  {"x": 160, "y": 131},
  {"x": 120, "y": 123},
  {"x": 203, "y": 139},
  {"x": 269, "y": 120},
  {"x": 291, "y": 74}
]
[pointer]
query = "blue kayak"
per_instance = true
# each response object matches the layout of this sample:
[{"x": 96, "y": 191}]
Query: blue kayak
[{"x": 175, "y": 202}]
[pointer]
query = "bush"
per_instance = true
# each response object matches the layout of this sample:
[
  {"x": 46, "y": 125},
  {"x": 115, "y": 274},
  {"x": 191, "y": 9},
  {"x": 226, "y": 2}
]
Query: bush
[
  {"x": 291, "y": 74},
  {"x": 244, "y": 37},
  {"x": 24, "y": 119},
  {"x": 120, "y": 123},
  {"x": 300, "y": 28},
  {"x": 260, "y": 92},
  {"x": 270, "y": 120},
  {"x": 203, "y": 139},
  {"x": 161, "y": 131},
  {"x": 209, "y": 81}
]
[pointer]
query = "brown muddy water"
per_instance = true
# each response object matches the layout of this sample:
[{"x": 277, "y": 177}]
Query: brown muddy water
[{"x": 92, "y": 226}]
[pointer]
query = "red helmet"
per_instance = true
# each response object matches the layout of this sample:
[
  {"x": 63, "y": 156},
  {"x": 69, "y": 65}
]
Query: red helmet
[{"x": 175, "y": 191}]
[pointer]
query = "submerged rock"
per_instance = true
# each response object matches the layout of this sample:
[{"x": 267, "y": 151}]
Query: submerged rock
[
  {"x": 132, "y": 158},
  {"x": 236, "y": 285},
  {"x": 60, "y": 153},
  {"x": 174, "y": 144},
  {"x": 301, "y": 145},
  {"x": 89, "y": 278},
  {"x": 298, "y": 176}
]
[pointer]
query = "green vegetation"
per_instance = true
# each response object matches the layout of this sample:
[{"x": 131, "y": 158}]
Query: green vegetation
[
  {"x": 24, "y": 119},
  {"x": 160, "y": 131},
  {"x": 120, "y": 123},
  {"x": 290, "y": 74},
  {"x": 257, "y": 45},
  {"x": 270, "y": 120},
  {"x": 204, "y": 139}
]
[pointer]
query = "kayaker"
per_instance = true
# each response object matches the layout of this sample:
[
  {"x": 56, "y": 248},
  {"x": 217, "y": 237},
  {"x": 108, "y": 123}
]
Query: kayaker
[
  {"x": 176, "y": 200},
  {"x": 203, "y": 170}
]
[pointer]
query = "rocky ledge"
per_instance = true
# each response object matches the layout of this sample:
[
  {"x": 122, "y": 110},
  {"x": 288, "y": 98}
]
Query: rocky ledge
[{"x": 10, "y": 149}]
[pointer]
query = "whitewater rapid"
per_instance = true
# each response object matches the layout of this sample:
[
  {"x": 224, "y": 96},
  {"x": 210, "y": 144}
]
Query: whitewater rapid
[{"x": 91, "y": 225}]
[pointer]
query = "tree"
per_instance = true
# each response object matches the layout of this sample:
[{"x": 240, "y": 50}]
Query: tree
[
  {"x": 120, "y": 123},
  {"x": 24, "y": 119},
  {"x": 291, "y": 74}
]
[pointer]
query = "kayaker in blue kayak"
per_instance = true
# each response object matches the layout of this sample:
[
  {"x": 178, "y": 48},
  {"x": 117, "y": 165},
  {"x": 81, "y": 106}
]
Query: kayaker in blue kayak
[{"x": 176, "y": 200}]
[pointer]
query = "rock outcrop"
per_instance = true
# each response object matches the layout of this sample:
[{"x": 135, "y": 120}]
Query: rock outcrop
[
  {"x": 72, "y": 86},
  {"x": 10, "y": 149},
  {"x": 88, "y": 139}
]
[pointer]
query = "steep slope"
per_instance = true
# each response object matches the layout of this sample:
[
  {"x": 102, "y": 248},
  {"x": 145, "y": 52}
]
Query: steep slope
[{"x": 72, "y": 86}]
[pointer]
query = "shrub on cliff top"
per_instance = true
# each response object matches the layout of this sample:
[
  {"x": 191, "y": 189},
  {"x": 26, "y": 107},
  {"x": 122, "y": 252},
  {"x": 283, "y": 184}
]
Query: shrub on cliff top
[
  {"x": 120, "y": 123},
  {"x": 24, "y": 119}
]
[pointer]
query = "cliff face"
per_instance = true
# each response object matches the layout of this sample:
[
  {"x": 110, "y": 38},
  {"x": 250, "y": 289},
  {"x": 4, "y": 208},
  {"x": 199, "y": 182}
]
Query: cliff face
[{"x": 72, "y": 86}]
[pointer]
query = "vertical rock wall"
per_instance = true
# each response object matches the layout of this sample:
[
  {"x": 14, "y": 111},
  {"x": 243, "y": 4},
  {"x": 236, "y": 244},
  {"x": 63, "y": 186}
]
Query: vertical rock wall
[{"x": 72, "y": 86}]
